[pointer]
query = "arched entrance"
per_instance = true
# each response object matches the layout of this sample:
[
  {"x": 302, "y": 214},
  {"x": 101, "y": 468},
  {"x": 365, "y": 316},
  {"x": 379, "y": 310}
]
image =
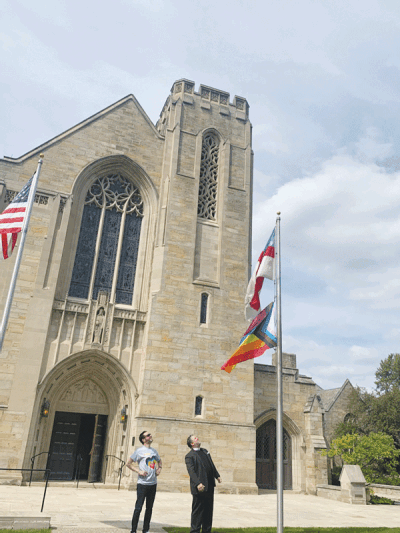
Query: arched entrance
[
  {"x": 266, "y": 457},
  {"x": 79, "y": 433},
  {"x": 85, "y": 394}
]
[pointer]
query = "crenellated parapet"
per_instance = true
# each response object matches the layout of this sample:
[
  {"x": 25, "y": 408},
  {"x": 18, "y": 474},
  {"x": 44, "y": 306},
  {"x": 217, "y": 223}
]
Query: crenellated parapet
[{"x": 207, "y": 98}]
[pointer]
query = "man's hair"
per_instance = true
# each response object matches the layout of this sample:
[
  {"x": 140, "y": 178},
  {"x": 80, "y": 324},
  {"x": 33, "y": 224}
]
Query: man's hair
[
  {"x": 141, "y": 438},
  {"x": 189, "y": 441}
]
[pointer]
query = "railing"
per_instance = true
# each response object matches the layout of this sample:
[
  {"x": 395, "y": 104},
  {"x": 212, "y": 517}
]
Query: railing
[
  {"x": 48, "y": 471},
  {"x": 79, "y": 459},
  {"x": 33, "y": 462},
  {"x": 120, "y": 468}
]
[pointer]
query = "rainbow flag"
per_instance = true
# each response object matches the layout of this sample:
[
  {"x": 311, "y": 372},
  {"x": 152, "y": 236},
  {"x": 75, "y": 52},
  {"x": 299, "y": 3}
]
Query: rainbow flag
[{"x": 259, "y": 337}]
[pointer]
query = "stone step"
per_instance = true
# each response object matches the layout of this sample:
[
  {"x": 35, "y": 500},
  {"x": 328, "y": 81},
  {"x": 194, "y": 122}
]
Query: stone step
[{"x": 24, "y": 522}]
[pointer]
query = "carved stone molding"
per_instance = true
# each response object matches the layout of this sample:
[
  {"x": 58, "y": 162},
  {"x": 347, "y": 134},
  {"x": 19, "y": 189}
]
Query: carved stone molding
[{"x": 84, "y": 391}]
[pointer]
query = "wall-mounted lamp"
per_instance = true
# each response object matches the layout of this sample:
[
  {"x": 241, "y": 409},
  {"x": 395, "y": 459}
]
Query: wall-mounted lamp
[
  {"x": 44, "y": 410},
  {"x": 123, "y": 415}
]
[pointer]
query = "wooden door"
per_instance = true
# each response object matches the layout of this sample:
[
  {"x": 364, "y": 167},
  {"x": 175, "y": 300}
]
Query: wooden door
[
  {"x": 266, "y": 457},
  {"x": 64, "y": 442},
  {"x": 96, "y": 454}
]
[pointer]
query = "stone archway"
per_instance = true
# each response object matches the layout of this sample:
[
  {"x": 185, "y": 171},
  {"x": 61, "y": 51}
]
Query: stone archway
[
  {"x": 266, "y": 457},
  {"x": 85, "y": 393},
  {"x": 293, "y": 453}
]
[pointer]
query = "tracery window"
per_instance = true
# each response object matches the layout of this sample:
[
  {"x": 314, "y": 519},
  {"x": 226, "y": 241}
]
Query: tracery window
[
  {"x": 108, "y": 242},
  {"x": 207, "y": 205}
]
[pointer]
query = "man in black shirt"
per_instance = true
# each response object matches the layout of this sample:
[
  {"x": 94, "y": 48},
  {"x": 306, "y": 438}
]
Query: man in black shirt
[{"x": 202, "y": 473}]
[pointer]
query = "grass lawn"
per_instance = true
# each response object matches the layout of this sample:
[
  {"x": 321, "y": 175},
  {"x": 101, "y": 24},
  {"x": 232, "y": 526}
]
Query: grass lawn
[{"x": 294, "y": 530}]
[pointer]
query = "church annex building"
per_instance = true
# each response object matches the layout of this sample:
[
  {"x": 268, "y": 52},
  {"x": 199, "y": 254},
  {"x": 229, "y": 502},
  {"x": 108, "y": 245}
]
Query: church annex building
[{"x": 130, "y": 298}]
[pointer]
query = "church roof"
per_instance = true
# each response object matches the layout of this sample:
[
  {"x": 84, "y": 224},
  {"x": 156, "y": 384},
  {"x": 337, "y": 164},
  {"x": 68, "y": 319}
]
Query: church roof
[
  {"x": 126, "y": 100},
  {"x": 330, "y": 396}
]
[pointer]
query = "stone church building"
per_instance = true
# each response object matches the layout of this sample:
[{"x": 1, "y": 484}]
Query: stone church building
[{"x": 130, "y": 298}]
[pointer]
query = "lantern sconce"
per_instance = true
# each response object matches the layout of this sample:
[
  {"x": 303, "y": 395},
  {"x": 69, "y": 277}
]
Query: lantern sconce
[
  {"x": 44, "y": 410},
  {"x": 123, "y": 415}
]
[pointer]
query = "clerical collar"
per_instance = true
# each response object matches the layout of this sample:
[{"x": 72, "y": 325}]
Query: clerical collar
[{"x": 196, "y": 449}]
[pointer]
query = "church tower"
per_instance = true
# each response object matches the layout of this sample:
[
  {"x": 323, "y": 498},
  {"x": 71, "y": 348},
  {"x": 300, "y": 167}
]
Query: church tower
[{"x": 199, "y": 276}]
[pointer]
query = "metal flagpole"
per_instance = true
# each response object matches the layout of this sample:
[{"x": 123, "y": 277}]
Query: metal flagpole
[
  {"x": 279, "y": 406},
  {"x": 24, "y": 231}
]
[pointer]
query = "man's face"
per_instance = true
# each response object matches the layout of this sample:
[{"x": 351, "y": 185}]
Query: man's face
[
  {"x": 147, "y": 438},
  {"x": 195, "y": 442}
]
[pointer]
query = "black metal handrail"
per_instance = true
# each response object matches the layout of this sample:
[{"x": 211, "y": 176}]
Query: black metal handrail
[
  {"x": 47, "y": 470},
  {"x": 79, "y": 459},
  {"x": 32, "y": 463},
  {"x": 120, "y": 468}
]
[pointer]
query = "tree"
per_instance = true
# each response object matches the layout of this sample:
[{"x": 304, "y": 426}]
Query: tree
[
  {"x": 372, "y": 412},
  {"x": 375, "y": 453},
  {"x": 377, "y": 411},
  {"x": 388, "y": 374}
]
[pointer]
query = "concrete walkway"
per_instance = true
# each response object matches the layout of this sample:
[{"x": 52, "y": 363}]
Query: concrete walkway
[{"x": 90, "y": 508}]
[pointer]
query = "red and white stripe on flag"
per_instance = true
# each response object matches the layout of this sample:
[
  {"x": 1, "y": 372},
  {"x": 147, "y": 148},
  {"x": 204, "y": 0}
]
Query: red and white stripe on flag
[
  {"x": 265, "y": 269},
  {"x": 12, "y": 220}
]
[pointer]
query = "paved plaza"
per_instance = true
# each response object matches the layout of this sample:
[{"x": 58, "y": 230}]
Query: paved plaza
[{"x": 91, "y": 508}]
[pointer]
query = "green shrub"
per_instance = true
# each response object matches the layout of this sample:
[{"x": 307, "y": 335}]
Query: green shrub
[{"x": 380, "y": 500}]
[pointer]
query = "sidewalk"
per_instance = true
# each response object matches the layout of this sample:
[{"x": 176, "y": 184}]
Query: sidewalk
[{"x": 90, "y": 508}]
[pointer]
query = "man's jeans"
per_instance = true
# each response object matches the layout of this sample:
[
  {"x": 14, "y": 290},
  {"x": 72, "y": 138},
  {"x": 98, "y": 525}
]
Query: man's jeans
[{"x": 148, "y": 493}]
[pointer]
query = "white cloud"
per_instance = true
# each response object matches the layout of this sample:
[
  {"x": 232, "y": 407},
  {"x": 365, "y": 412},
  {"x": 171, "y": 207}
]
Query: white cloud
[{"x": 338, "y": 223}]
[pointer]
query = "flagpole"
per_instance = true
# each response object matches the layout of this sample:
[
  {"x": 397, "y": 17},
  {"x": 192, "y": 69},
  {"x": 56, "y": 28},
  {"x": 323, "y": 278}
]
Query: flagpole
[
  {"x": 24, "y": 231},
  {"x": 279, "y": 407}
]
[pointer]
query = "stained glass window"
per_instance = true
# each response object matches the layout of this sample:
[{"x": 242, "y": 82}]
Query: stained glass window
[
  {"x": 207, "y": 203},
  {"x": 111, "y": 221}
]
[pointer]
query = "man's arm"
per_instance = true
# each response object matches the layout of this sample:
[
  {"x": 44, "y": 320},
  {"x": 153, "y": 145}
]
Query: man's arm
[
  {"x": 130, "y": 464},
  {"x": 215, "y": 471},
  {"x": 159, "y": 468},
  {"x": 192, "y": 473}
]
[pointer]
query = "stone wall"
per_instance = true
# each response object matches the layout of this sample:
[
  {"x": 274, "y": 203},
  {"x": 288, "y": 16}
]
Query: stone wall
[{"x": 302, "y": 420}]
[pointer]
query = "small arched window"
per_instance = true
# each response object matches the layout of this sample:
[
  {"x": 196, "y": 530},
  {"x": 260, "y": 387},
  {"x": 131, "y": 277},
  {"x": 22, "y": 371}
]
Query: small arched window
[
  {"x": 108, "y": 242},
  {"x": 207, "y": 204},
  {"x": 203, "y": 308},
  {"x": 198, "y": 406}
]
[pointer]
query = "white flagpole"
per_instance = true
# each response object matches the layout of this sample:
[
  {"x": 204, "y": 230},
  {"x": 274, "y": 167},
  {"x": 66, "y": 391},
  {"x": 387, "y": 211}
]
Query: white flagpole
[
  {"x": 24, "y": 231},
  {"x": 279, "y": 406}
]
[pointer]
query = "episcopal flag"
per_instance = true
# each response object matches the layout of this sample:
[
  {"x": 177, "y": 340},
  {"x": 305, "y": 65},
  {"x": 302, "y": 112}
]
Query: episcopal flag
[
  {"x": 259, "y": 337},
  {"x": 12, "y": 220},
  {"x": 265, "y": 269}
]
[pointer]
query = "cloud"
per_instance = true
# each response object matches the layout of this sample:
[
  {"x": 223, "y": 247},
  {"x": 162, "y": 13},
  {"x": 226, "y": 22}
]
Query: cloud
[{"x": 339, "y": 222}]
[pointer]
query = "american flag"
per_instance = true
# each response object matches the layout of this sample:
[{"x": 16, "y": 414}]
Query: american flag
[{"x": 12, "y": 220}]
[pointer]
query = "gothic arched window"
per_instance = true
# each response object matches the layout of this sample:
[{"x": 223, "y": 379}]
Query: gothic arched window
[
  {"x": 207, "y": 206},
  {"x": 108, "y": 243}
]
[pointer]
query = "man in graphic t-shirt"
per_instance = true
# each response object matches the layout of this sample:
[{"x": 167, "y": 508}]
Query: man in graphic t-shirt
[{"x": 148, "y": 467}]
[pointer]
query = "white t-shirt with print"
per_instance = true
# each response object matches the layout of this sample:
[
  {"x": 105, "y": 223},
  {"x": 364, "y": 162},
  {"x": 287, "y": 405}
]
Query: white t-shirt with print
[{"x": 147, "y": 459}]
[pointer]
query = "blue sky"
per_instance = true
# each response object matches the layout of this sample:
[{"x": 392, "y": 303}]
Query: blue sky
[{"x": 323, "y": 83}]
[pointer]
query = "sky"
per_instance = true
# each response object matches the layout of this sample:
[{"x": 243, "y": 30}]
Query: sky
[{"x": 323, "y": 82}]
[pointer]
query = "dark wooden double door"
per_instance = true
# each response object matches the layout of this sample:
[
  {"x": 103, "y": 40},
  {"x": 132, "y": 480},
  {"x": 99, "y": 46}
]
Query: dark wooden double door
[
  {"x": 266, "y": 457},
  {"x": 77, "y": 446}
]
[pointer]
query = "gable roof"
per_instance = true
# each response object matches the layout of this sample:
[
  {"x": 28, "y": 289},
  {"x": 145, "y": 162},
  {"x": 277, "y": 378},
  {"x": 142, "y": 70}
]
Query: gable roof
[
  {"x": 83, "y": 124},
  {"x": 330, "y": 396}
]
